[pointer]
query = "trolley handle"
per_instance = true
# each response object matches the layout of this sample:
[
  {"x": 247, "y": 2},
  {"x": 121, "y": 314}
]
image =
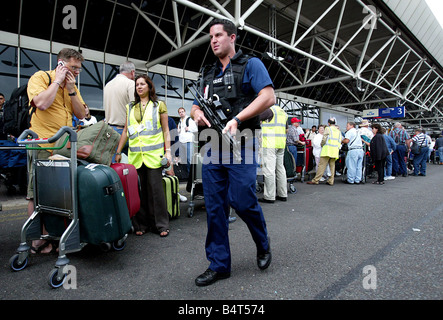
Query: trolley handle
[{"x": 23, "y": 138}]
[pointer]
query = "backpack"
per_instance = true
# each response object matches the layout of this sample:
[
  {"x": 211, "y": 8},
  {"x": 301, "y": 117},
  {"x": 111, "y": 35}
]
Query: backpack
[
  {"x": 187, "y": 122},
  {"x": 17, "y": 117}
]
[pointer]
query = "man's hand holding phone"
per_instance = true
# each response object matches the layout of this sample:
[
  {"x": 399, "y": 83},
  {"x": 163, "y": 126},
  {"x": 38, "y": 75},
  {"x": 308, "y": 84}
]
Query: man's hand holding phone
[{"x": 60, "y": 72}]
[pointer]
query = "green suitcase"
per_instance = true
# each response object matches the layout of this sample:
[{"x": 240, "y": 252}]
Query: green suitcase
[
  {"x": 102, "y": 208},
  {"x": 170, "y": 187}
]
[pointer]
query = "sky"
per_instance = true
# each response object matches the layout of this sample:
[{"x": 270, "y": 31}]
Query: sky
[{"x": 437, "y": 9}]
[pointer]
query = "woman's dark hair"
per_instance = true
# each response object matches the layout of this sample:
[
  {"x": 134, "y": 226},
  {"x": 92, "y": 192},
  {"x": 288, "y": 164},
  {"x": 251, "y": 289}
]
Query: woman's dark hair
[
  {"x": 152, "y": 94},
  {"x": 379, "y": 128}
]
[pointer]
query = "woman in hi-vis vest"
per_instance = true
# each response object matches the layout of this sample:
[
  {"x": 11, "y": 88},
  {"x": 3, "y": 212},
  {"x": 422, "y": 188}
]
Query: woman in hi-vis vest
[{"x": 148, "y": 132}]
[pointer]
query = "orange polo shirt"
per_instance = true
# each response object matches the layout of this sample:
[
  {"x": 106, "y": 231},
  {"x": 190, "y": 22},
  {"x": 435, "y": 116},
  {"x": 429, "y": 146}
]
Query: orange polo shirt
[{"x": 46, "y": 123}]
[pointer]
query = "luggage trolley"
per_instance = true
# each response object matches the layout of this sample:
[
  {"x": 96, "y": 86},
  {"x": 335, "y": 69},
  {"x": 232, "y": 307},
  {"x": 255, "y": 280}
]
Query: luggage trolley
[
  {"x": 61, "y": 200},
  {"x": 301, "y": 150},
  {"x": 196, "y": 180},
  {"x": 56, "y": 206},
  {"x": 197, "y": 185}
]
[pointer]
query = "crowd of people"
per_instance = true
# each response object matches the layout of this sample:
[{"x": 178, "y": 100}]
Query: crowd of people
[{"x": 390, "y": 153}]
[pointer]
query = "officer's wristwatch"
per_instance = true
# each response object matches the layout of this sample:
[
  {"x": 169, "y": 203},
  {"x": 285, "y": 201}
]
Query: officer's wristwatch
[
  {"x": 238, "y": 120},
  {"x": 72, "y": 94}
]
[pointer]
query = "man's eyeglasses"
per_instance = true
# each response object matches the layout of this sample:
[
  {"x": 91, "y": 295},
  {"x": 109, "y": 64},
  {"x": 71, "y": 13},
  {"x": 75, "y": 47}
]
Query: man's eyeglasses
[{"x": 74, "y": 68}]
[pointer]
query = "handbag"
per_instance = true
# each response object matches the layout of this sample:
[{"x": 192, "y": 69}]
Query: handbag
[{"x": 96, "y": 143}]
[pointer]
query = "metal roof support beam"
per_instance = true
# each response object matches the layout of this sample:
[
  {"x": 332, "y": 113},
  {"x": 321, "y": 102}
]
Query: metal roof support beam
[
  {"x": 289, "y": 72},
  {"x": 420, "y": 93},
  {"x": 331, "y": 53},
  {"x": 417, "y": 65},
  {"x": 164, "y": 35},
  {"x": 315, "y": 23},
  {"x": 350, "y": 92},
  {"x": 308, "y": 66},
  {"x": 204, "y": 25},
  {"x": 296, "y": 50},
  {"x": 337, "y": 30},
  {"x": 350, "y": 104},
  {"x": 400, "y": 71},
  {"x": 427, "y": 75},
  {"x": 313, "y": 84},
  {"x": 363, "y": 53},
  {"x": 109, "y": 29},
  {"x": 177, "y": 24},
  {"x": 222, "y": 10},
  {"x": 437, "y": 99},
  {"x": 201, "y": 9},
  {"x": 433, "y": 85},
  {"x": 297, "y": 18},
  {"x": 409, "y": 89},
  {"x": 391, "y": 40},
  {"x": 439, "y": 90},
  {"x": 237, "y": 6},
  {"x": 349, "y": 41},
  {"x": 183, "y": 49},
  {"x": 367, "y": 87},
  {"x": 392, "y": 67},
  {"x": 388, "y": 91},
  {"x": 252, "y": 9},
  {"x": 416, "y": 119}
]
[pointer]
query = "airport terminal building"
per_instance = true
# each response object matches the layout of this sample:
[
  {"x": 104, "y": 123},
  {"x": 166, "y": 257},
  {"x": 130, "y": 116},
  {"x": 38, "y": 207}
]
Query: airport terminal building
[{"x": 326, "y": 57}]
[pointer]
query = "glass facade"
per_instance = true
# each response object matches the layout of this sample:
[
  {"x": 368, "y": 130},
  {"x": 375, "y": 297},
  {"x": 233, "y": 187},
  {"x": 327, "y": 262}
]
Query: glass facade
[{"x": 23, "y": 63}]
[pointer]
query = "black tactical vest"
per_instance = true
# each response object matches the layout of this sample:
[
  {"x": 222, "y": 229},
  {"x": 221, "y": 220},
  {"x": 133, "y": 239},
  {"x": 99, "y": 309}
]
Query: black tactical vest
[{"x": 228, "y": 88}]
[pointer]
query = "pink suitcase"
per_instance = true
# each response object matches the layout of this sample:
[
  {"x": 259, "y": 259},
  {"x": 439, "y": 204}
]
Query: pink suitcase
[{"x": 128, "y": 176}]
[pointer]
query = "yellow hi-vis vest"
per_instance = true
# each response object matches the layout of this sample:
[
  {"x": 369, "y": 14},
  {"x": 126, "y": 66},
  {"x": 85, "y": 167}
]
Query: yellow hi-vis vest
[
  {"x": 331, "y": 148},
  {"x": 274, "y": 131},
  {"x": 146, "y": 141}
]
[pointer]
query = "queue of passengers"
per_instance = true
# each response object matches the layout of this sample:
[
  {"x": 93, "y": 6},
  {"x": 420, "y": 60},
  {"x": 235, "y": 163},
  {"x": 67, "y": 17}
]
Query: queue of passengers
[{"x": 391, "y": 153}]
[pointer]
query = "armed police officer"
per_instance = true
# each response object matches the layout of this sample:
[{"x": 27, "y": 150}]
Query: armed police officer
[{"x": 244, "y": 88}]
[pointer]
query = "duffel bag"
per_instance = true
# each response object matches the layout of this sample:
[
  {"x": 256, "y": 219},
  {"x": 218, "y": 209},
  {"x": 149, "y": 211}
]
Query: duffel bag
[{"x": 96, "y": 143}]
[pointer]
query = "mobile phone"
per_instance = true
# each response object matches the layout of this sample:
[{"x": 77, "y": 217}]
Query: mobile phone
[{"x": 60, "y": 63}]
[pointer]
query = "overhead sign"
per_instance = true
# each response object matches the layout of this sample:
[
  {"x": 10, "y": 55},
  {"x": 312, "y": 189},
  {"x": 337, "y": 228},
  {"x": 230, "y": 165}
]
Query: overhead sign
[
  {"x": 370, "y": 113},
  {"x": 383, "y": 113},
  {"x": 396, "y": 112}
]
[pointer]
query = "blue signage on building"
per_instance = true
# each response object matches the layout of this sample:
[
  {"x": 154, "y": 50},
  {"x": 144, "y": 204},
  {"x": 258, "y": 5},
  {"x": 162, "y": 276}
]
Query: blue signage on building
[
  {"x": 384, "y": 113},
  {"x": 396, "y": 112}
]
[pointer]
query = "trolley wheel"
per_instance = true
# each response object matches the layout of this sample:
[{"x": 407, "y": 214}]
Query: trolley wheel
[
  {"x": 258, "y": 188},
  {"x": 15, "y": 265},
  {"x": 53, "y": 280},
  {"x": 118, "y": 245},
  {"x": 292, "y": 188},
  {"x": 190, "y": 212},
  {"x": 105, "y": 246}
]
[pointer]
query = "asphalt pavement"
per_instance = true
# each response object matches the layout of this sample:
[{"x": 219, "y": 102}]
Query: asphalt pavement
[{"x": 341, "y": 242}]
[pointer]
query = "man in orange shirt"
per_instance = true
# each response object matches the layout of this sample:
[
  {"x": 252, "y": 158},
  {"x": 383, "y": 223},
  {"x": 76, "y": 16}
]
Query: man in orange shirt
[{"x": 55, "y": 101}]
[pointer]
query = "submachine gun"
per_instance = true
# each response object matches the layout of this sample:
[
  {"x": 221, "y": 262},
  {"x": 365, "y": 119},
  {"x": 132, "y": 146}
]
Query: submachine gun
[{"x": 212, "y": 110}]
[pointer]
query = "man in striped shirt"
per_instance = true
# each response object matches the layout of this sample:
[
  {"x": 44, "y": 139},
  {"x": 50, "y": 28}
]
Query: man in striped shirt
[
  {"x": 419, "y": 160},
  {"x": 402, "y": 140}
]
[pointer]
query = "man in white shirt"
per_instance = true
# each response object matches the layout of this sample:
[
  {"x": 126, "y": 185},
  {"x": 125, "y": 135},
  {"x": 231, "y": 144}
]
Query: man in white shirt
[
  {"x": 354, "y": 156},
  {"x": 117, "y": 94},
  {"x": 186, "y": 128}
]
